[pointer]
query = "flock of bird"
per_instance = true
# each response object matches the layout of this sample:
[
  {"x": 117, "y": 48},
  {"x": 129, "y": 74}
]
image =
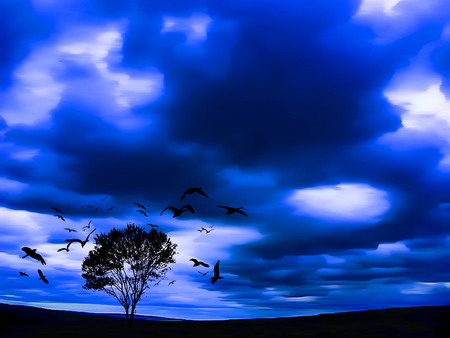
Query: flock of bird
[{"x": 142, "y": 210}]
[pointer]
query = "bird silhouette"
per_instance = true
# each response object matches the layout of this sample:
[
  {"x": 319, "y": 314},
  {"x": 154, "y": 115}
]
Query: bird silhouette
[
  {"x": 70, "y": 230},
  {"x": 60, "y": 217},
  {"x": 197, "y": 263},
  {"x": 110, "y": 209},
  {"x": 142, "y": 212},
  {"x": 157, "y": 283},
  {"x": 153, "y": 225},
  {"x": 216, "y": 273},
  {"x": 32, "y": 253},
  {"x": 178, "y": 212},
  {"x": 104, "y": 198},
  {"x": 90, "y": 206},
  {"x": 203, "y": 273},
  {"x": 43, "y": 278},
  {"x": 83, "y": 243},
  {"x": 66, "y": 248},
  {"x": 87, "y": 226},
  {"x": 96, "y": 209},
  {"x": 24, "y": 274},
  {"x": 206, "y": 230},
  {"x": 231, "y": 210},
  {"x": 191, "y": 191},
  {"x": 172, "y": 282},
  {"x": 140, "y": 205},
  {"x": 57, "y": 210}
]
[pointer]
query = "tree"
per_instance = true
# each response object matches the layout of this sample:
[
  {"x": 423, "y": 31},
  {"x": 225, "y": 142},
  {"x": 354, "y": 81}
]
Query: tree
[{"x": 123, "y": 262}]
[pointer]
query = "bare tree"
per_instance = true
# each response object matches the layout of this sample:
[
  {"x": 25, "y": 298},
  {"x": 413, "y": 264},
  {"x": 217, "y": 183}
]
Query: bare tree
[{"x": 123, "y": 262}]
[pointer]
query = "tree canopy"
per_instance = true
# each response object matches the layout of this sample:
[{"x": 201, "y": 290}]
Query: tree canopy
[{"x": 124, "y": 261}]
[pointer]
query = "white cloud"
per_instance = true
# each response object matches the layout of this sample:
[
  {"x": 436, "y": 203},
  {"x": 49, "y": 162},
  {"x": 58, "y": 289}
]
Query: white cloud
[
  {"x": 346, "y": 202},
  {"x": 194, "y": 27}
]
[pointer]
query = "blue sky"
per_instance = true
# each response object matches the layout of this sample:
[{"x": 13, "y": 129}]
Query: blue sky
[{"x": 328, "y": 121}]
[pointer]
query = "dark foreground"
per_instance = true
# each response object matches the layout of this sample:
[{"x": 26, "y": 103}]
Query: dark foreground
[{"x": 428, "y": 321}]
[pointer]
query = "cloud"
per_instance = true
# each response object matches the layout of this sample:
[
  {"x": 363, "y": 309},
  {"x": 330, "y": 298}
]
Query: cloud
[{"x": 345, "y": 202}]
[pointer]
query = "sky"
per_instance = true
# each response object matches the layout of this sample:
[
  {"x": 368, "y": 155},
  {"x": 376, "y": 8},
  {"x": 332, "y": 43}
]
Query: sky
[{"x": 327, "y": 121}]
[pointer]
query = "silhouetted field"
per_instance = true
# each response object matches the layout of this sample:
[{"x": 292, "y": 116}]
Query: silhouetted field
[{"x": 428, "y": 321}]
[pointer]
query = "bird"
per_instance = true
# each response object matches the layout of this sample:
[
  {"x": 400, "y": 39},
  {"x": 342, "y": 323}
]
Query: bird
[
  {"x": 110, "y": 209},
  {"x": 216, "y": 273},
  {"x": 83, "y": 243},
  {"x": 90, "y": 206},
  {"x": 191, "y": 191},
  {"x": 197, "y": 263},
  {"x": 57, "y": 210},
  {"x": 142, "y": 212},
  {"x": 104, "y": 198},
  {"x": 32, "y": 253},
  {"x": 43, "y": 278},
  {"x": 200, "y": 230},
  {"x": 172, "y": 282},
  {"x": 24, "y": 274},
  {"x": 206, "y": 230},
  {"x": 178, "y": 212},
  {"x": 203, "y": 273},
  {"x": 96, "y": 209},
  {"x": 157, "y": 283},
  {"x": 66, "y": 248},
  {"x": 87, "y": 226},
  {"x": 231, "y": 210},
  {"x": 70, "y": 230},
  {"x": 153, "y": 225},
  {"x": 60, "y": 217},
  {"x": 140, "y": 205}
]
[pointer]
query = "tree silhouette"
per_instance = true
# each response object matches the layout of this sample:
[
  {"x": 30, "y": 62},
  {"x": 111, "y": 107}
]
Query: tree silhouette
[{"x": 124, "y": 261}]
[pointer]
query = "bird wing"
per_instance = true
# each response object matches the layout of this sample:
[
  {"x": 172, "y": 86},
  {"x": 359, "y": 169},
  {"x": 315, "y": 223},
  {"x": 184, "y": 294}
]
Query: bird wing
[
  {"x": 201, "y": 192},
  {"x": 204, "y": 264},
  {"x": 216, "y": 269},
  {"x": 194, "y": 260},
  {"x": 38, "y": 257},
  {"x": 241, "y": 212},
  {"x": 170, "y": 208},
  {"x": 189, "y": 207},
  {"x": 222, "y": 206},
  {"x": 27, "y": 250},
  {"x": 183, "y": 196},
  {"x": 87, "y": 238}
]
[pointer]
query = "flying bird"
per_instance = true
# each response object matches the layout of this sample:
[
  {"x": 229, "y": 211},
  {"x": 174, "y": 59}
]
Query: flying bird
[
  {"x": 172, "y": 282},
  {"x": 191, "y": 191},
  {"x": 140, "y": 206},
  {"x": 60, "y": 217},
  {"x": 96, "y": 209},
  {"x": 24, "y": 274},
  {"x": 206, "y": 230},
  {"x": 157, "y": 283},
  {"x": 203, "y": 273},
  {"x": 90, "y": 206},
  {"x": 216, "y": 273},
  {"x": 104, "y": 198},
  {"x": 153, "y": 225},
  {"x": 178, "y": 212},
  {"x": 231, "y": 210},
  {"x": 57, "y": 210},
  {"x": 87, "y": 226},
  {"x": 66, "y": 248},
  {"x": 83, "y": 243},
  {"x": 32, "y": 253},
  {"x": 142, "y": 212},
  {"x": 70, "y": 230},
  {"x": 110, "y": 209},
  {"x": 197, "y": 263},
  {"x": 43, "y": 278}
]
